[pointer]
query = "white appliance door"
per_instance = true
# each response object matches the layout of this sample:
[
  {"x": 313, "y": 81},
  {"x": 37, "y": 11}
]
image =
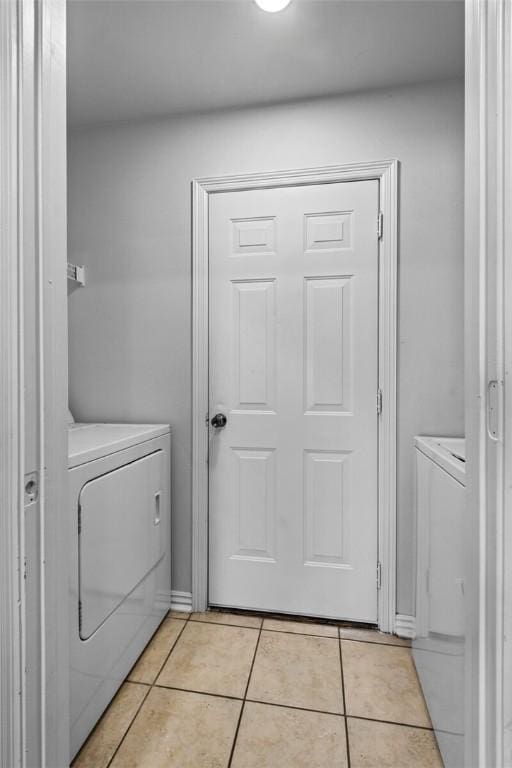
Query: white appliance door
[
  {"x": 119, "y": 537},
  {"x": 294, "y": 368}
]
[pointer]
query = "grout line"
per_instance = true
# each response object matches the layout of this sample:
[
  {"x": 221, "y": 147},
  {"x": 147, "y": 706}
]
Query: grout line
[
  {"x": 222, "y": 624},
  {"x": 98, "y": 722},
  {"x": 185, "y": 614},
  {"x": 347, "y": 747},
  {"x": 308, "y": 634},
  {"x": 337, "y": 714},
  {"x": 390, "y": 722},
  {"x": 173, "y": 646},
  {"x": 149, "y": 686},
  {"x": 298, "y": 634},
  {"x": 199, "y": 693},
  {"x": 245, "y": 699},
  {"x": 292, "y": 706},
  {"x": 125, "y": 734},
  {"x": 374, "y": 642}
]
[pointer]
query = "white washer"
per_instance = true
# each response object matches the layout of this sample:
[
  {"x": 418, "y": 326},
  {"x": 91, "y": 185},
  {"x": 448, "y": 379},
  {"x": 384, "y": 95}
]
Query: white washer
[
  {"x": 119, "y": 536},
  {"x": 439, "y": 646}
]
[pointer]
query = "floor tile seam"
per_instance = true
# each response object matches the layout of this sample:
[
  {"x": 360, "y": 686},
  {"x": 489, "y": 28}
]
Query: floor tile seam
[
  {"x": 129, "y": 726},
  {"x": 247, "y": 699},
  {"x": 390, "y": 722},
  {"x": 98, "y": 723},
  {"x": 163, "y": 686},
  {"x": 375, "y": 642},
  {"x": 298, "y": 634},
  {"x": 237, "y": 730},
  {"x": 186, "y": 614},
  {"x": 347, "y": 741},
  {"x": 290, "y": 632},
  {"x": 337, "y": 714},
  {"x": 223, "y": 624},
  {"x": 173, "y": 646},
  {"x": 295, "y": 706},
  {"x": 298, "y": 617}
]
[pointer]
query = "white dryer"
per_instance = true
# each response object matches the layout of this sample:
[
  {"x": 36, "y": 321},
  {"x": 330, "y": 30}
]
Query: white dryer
[{"x": 119, "y": 545}]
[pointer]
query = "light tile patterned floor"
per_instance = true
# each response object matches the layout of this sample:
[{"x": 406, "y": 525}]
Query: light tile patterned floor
[{"x": 220, "y": 690}]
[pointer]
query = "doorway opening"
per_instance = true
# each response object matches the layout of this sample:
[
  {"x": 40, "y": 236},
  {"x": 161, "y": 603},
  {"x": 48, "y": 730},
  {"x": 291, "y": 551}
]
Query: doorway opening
[{"x": 228, "y": 218}]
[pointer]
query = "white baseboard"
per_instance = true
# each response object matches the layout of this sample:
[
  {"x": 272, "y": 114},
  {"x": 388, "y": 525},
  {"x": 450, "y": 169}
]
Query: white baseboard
[
  {"x": 405, "y": 626},
  {"x": 181, "y": 601}
]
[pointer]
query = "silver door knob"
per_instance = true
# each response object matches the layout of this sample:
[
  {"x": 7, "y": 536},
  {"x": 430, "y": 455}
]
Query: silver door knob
[{"x": 219, "y": 420}]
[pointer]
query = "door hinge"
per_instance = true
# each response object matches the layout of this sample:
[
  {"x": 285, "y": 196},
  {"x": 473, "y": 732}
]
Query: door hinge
[
  {"x": 379, "y": 401},
  {"x": 79, "y": 519},
  {"x": 493, "y": 409},
  {"x": 379, "y": 576},
  {"x": 380, "y": 224},
  {"x": 79, "y": 615}
]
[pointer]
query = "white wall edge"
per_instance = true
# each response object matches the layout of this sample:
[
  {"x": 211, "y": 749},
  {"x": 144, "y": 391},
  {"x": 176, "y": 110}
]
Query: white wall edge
[{"x": 405, "y": 626}]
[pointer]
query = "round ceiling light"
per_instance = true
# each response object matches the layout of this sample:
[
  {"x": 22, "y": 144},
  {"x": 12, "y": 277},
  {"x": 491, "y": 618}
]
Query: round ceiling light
[{"x": 272, "y": 6}]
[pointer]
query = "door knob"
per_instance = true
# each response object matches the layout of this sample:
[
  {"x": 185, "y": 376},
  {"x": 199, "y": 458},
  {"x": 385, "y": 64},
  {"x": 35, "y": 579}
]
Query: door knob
[{"x": 219, "y": 420}]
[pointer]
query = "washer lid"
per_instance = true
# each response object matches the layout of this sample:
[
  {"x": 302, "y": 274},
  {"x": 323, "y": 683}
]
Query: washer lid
[
  {"x": 87, "y": 442},
  {"x": 448, "y": 452}
]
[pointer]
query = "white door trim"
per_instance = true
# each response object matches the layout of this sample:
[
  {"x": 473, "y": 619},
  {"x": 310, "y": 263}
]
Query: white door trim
[
  {"x": 386, "y": 172},
  {"x": 488, "y": 353},
  {"x": 33, "y": 322},
  {"x": 11, "y": 411},
  {"x": 51, "y": 206}
]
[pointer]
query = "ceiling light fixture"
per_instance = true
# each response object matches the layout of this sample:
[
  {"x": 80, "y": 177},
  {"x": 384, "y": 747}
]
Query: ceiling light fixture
[{"x": 272, "y": 6}]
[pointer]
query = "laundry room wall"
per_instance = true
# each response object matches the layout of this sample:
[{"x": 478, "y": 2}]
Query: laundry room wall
[{"x": 130, "y": 224}]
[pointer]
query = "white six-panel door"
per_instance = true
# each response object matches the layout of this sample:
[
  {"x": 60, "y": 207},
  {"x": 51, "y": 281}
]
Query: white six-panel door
[{"x": 294, "y": 368}]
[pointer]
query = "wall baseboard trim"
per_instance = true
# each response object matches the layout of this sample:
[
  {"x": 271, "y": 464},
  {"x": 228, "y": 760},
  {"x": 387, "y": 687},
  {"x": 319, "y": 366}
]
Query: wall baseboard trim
[
  {"x": 181, "y": 601},
  {"x": 174, "y": 601},
  {"x": 405, "y": 626}
]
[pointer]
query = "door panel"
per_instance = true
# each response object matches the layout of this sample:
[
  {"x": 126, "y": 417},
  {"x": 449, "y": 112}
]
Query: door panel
[
  {"x": 294, "y": 366},
  {"x": 254, "y": 343}
]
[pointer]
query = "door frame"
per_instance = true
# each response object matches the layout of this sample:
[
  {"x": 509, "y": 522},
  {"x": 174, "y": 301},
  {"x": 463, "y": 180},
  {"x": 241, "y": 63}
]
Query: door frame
[
  {"x": 386, "y": 173},
  {"x": 11, "y": 413},
  {"x": 488, "y": 359},
  {"x": 33, "y": 384}
]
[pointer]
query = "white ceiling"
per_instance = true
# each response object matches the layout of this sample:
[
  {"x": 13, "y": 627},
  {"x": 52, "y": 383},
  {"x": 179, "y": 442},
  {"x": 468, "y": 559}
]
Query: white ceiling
[{"x": 130, "y": 59}]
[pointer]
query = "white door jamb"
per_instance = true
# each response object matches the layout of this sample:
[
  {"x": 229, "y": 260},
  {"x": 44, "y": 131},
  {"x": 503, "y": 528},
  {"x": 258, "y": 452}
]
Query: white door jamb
[
  {"x": 386, "y": 172},
  {"x": 488, "y": 359},
  {"x": 11, "y": 397},
  {"x": 33, "y": 326}
]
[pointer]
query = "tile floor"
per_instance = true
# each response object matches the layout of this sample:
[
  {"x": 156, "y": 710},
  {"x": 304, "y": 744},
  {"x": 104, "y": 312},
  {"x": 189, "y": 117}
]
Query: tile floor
[{"x": 220, "y": 690}]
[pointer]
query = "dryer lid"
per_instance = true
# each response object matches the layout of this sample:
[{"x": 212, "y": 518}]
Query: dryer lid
[{"x": 87, "y": 442}]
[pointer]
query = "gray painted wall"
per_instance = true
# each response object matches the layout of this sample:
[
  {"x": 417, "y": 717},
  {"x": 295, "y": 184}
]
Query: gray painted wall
[{"x": 129, "y": 223}]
